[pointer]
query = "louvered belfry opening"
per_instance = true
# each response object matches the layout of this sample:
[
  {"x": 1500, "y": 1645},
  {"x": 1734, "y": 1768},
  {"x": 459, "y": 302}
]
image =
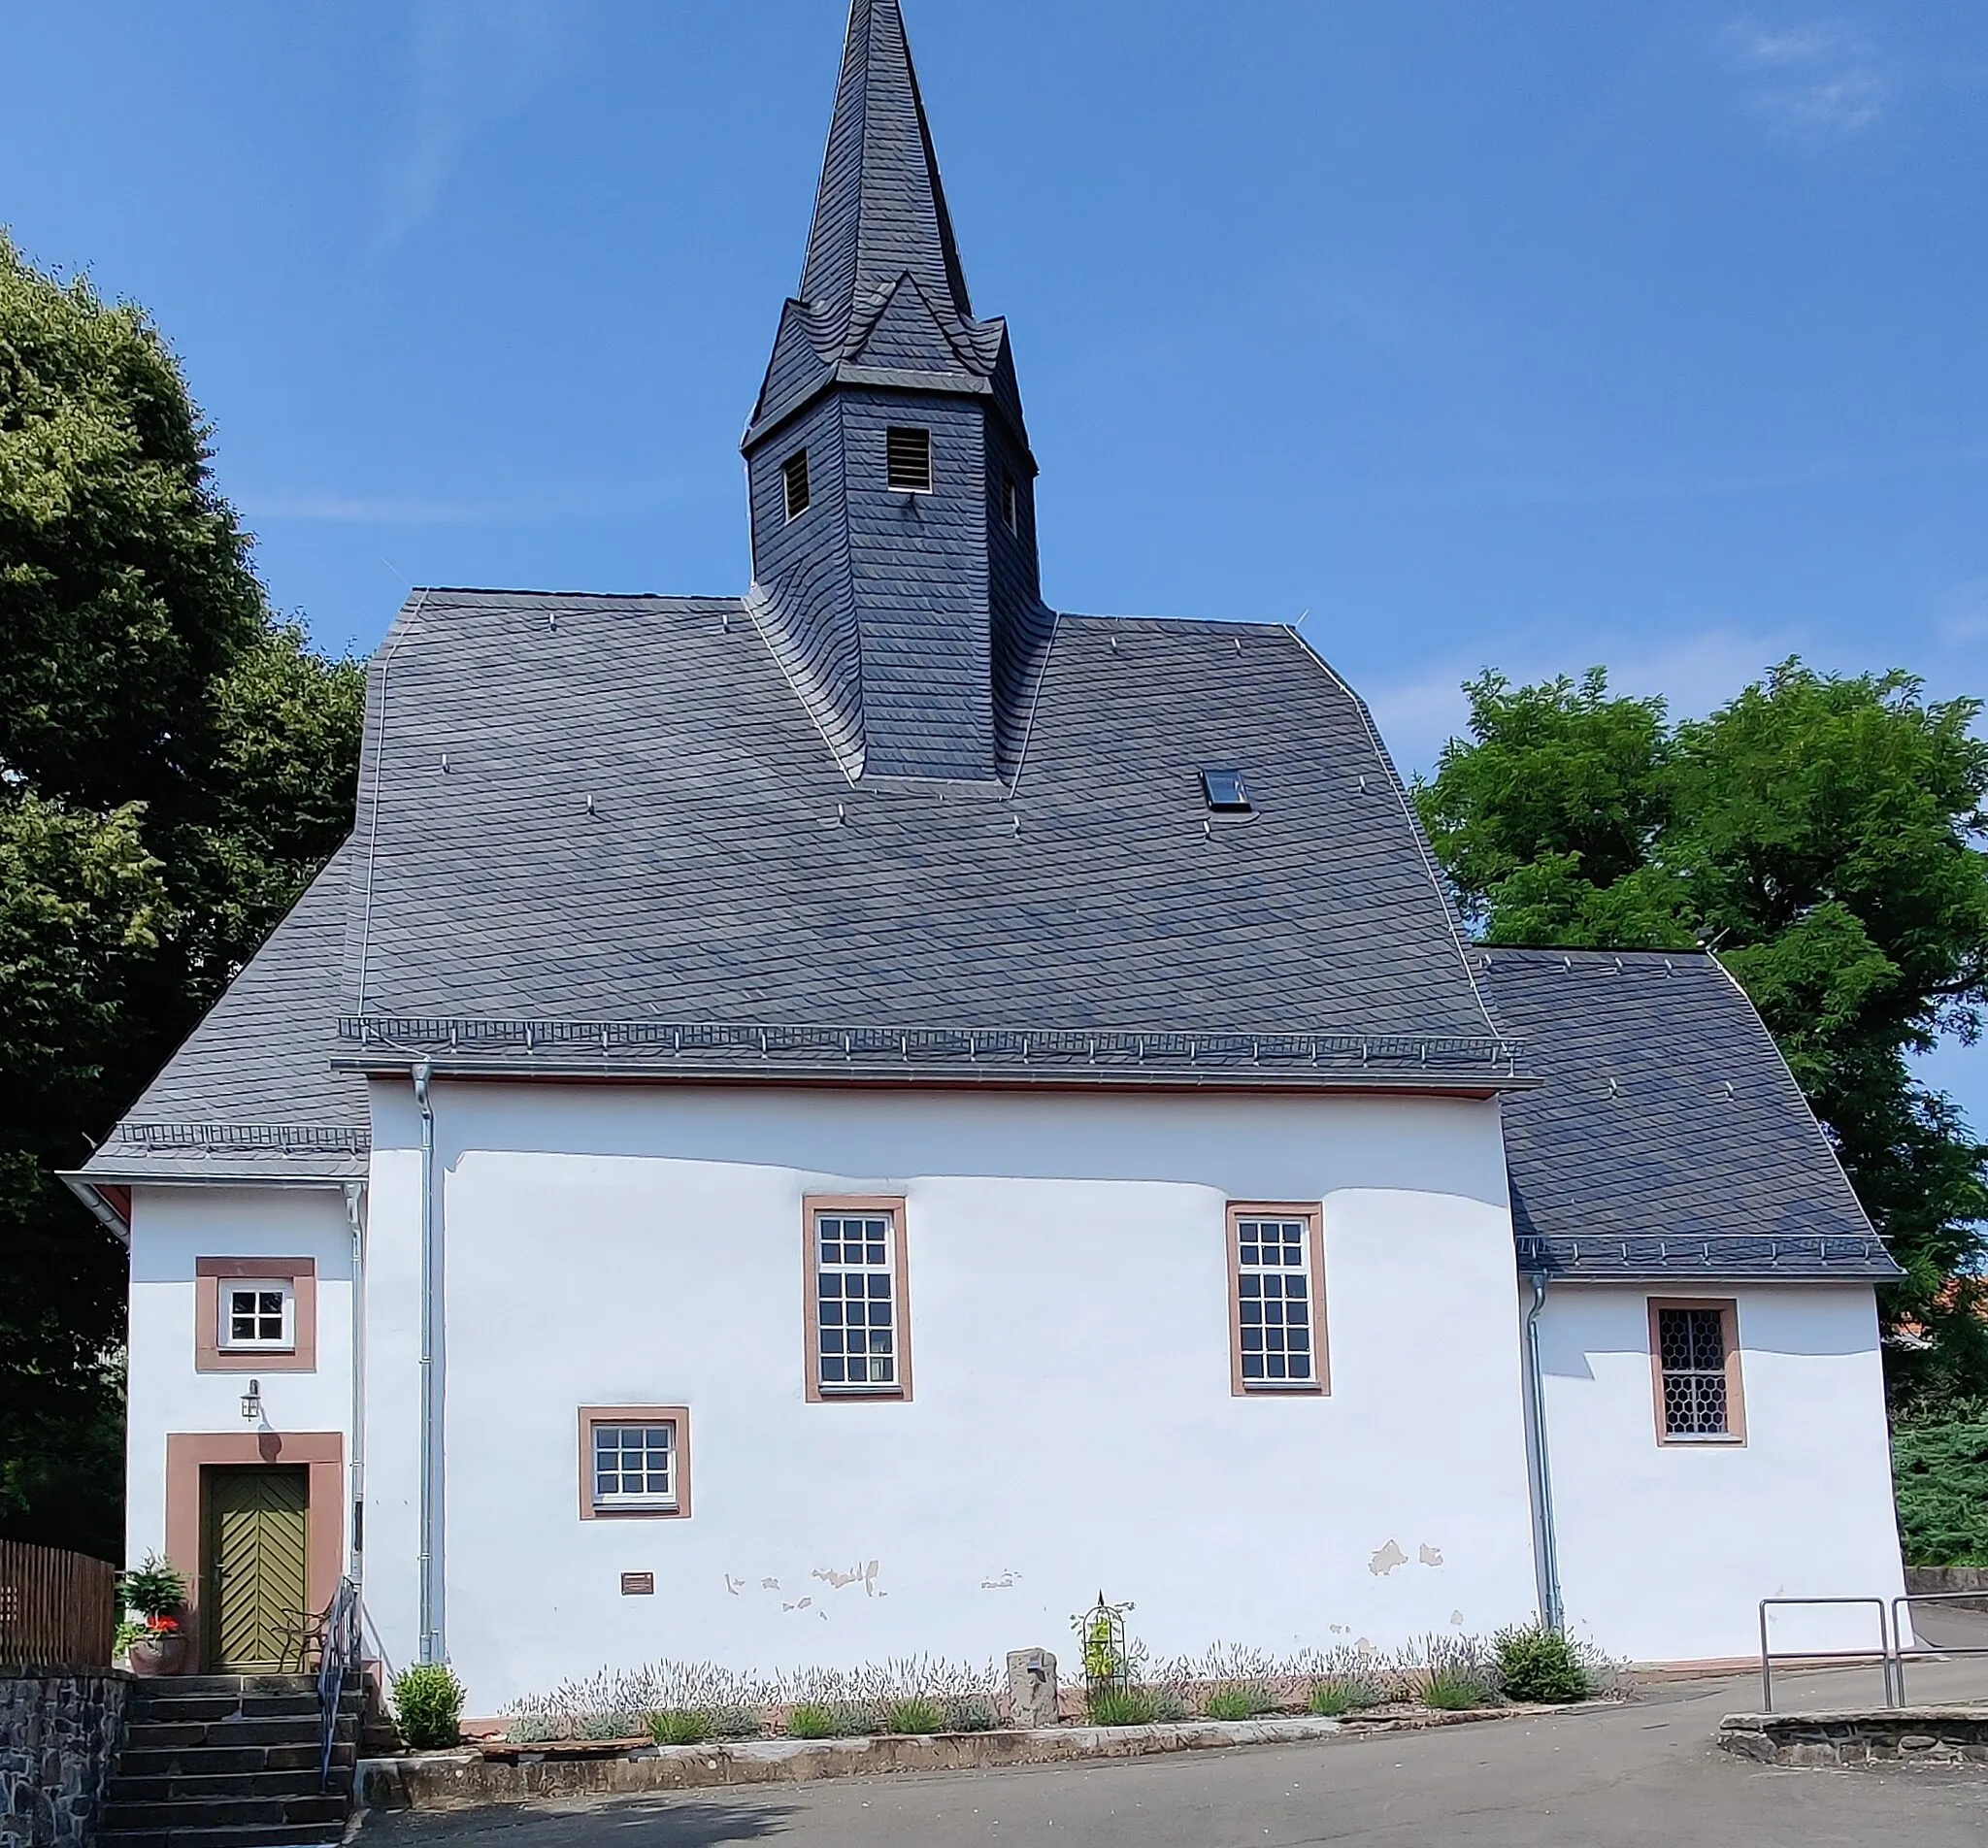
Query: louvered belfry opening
[
  {"x": 908, "y": 459},
  {"x": 906, "y": 607}
]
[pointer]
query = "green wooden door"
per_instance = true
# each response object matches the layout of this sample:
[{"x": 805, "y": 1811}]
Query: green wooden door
[{"x": 256, "y": 1524}]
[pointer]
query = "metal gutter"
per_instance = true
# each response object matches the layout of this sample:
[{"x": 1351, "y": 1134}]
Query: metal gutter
[
  {"x": 430, "y": 1561},
  {"x": 99, "y": 1208},
  {"x": 1546, "y": 1537}
]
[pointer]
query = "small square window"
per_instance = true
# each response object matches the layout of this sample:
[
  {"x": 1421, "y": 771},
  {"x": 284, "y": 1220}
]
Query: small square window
[
  {"x": 258, "y": 1314},
  {"x": 908, "y": 459},
  {"x": 1227, "y": 792},
  {"x": 634, "y": 1460},
  {"x": 1010, "y": 503},
  {"x": 794, "y": 476}
]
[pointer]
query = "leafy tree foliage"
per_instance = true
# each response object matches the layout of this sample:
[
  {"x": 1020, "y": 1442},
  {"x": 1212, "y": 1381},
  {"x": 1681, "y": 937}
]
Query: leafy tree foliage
[
  {"x": 173, "y": 764},
  {"x": 1822, "y": 835}
]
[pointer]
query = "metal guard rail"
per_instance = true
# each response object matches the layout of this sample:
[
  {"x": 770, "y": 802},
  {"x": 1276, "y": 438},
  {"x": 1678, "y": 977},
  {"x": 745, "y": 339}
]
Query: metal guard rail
[
  {"x": 338, "y": 1657},
  {"x": 1884, "y": 1655},
  {"x": 1900, "y": 1611}
]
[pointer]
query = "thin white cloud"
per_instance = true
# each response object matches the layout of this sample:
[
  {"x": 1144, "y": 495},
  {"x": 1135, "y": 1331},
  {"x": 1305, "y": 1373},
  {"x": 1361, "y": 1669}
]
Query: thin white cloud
[
  {"x": 1963, "y": 614},
  {"x": 352, "y": 510},
  {"x": 474, "y": 63},
  {"x": 1813, "y": 80}
]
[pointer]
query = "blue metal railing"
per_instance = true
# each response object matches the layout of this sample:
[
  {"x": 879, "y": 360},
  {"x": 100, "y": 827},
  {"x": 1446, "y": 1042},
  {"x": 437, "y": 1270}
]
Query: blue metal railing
[{"x": 337, "y": 1660}]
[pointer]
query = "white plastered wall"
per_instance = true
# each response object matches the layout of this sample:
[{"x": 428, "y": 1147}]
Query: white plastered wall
[
  {"x": 172, "y": 1228},
  {"x": 1073, "y": 1428},
  {"x": 1666, "y": 1551}
]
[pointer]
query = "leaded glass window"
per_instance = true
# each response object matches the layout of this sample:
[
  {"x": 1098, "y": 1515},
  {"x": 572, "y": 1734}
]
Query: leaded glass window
[
  {"x": 1692, "y": 1360},
  {"x": 1276, "y": 1317},
  {"x": 258, "y": 1314},
  {"x": 635, "y": 1466},
  {"x": 855, "y": 1300}
]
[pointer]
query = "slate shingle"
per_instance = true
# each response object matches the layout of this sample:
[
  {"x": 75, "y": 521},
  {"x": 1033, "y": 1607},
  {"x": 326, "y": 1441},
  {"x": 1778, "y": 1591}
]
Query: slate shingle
[{"x": 1668, "y": 1139}]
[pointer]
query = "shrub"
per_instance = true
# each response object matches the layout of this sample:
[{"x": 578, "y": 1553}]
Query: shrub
[
  {"x": 1543, "y": 1666},
  {"x": 736, "y": 1723},
  {"x": 1456, "y": 1690},
  {"x": 916, "y": 1713},
  {"x": 427, "y": 1705},
  {"x": 609, "y": 1725},
  {"x": 973, "y": 1713},
  {"x": 152, "y": 1588},
  {"x": 829, "y": 1720},
  {"x": 681, "y": 1726},
  {"x": 1123, "y": 1707},
  {"x": 1941, "y": 1466},
  {"x": 1243, "y": 1702},
  {"x": 1334, "y": 1694}
]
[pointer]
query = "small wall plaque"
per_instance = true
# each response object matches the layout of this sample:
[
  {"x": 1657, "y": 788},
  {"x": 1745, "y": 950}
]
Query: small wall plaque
[{"x": 638, "y": 1584}]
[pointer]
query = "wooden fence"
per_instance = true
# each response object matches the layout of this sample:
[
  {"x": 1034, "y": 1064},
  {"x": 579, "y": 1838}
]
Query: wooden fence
[{"x": 57, "y": 1610}]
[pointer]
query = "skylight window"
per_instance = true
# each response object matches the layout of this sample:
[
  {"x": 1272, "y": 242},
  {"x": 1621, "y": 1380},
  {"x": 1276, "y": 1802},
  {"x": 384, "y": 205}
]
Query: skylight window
[
  {"x": 1226, "y": 791},
  {"x": 1011, "y": 503},
  {"x": 794, "y": 474},
  {"x": 908, "y": 459}
]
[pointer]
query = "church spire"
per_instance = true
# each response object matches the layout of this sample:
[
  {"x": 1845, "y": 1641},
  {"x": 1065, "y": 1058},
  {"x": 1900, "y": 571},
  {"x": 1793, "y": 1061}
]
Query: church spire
[
  {"x": 892, "y": 485},
  {"x": 880, "y": 211}
]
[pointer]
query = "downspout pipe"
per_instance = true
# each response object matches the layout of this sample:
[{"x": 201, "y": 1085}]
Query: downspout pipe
[
  {"x": 1551, "y": 1611},
  {"x": 430, "y": 1640},
  {"x": 355, "y": 1215}
]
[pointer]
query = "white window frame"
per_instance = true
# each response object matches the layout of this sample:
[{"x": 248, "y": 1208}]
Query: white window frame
[
  {"x": 1246, "y": 1286},
  {"x": 644, "y": 1500},
  {"x": 228, "y": 1342},
  {"x": 892, "y": 1267}
]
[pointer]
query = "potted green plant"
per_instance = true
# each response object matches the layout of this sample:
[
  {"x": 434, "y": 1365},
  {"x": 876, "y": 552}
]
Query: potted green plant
[{"x": 157, "y": 1593}]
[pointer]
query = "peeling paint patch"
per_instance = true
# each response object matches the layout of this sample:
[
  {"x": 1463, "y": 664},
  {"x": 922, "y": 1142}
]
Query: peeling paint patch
[
  {"x": 1337, "y": 1629},
  {"x": 1386, "y": 1559},
  {"x": 734, "y": 1585},
  {"x": 1005, "y": 1583},
  {"x": 1431, "y": 1555},
  {"x": 802, "y": 1605},
  {"x": 859, "y": 1573},
  {"x": 769, "y": 1584},
  {"x": 1457, "y": 1618}
]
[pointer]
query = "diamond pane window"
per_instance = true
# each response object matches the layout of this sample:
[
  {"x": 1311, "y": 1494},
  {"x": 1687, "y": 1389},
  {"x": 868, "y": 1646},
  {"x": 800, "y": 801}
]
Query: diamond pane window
[
  {"x": 858, "y": 1324},
  {"x": 258, "y": 1314},
  {"x": 1275, "y": 1314},
  {"x": 1692, "y": 1355},
  {"x": 908, "y": 459},
  {"x": 635, "y": 1466}
]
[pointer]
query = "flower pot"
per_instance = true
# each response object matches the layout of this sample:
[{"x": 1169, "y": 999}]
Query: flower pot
[{"x": 162, "y": 1653}]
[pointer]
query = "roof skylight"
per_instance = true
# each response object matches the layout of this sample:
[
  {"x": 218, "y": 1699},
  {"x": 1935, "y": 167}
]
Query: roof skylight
[{"x": 1226, "y": 791}]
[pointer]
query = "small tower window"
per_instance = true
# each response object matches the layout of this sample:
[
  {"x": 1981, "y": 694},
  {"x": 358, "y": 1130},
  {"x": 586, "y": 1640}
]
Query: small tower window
[
  {"x": 794, "y": 474},
  {"x": 908, "y": 459},
  {"x": 1010, "y": 503}
]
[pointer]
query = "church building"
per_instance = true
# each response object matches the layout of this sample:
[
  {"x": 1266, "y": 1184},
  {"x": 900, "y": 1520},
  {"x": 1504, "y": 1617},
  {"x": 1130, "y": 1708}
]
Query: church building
[{"x": 834, "y": 1123}]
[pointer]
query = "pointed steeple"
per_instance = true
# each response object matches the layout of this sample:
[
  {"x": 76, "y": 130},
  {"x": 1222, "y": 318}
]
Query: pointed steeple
[
  {"x": 880, "y": 211},
  {"x": 893, "y": 504}
]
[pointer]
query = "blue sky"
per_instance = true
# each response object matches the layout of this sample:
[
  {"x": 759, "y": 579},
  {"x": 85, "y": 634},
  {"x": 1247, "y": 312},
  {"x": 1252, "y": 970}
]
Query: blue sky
[{"x": 1532, "y": 336}]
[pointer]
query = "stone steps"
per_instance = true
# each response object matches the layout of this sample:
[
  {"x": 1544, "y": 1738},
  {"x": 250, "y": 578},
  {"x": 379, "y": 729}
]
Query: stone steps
[{"x": 230, "y": 1762}]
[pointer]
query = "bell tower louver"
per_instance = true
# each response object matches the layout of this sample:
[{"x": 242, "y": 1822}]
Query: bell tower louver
[{"x": 892, "y": 484}]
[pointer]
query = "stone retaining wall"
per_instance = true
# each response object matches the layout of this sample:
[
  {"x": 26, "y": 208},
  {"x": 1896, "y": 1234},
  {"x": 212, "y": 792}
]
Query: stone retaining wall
[
  {"x": 1951, "y": 1578},
  {"x": 59, "y": 1733},
  {"x": 1929, "y": 1736}
]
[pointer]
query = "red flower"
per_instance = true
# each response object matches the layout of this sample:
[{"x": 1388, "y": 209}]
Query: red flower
[{"x": 162, "y": 1626}]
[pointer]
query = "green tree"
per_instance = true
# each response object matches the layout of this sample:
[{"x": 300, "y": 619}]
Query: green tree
[
  {"x": 175, "y": 762},
  {"x": 1822, "y": 833}
]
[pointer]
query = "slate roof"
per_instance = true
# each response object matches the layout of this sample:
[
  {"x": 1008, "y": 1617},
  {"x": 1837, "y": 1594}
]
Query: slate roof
[
  {"x": 600, "y": 834},
  {"x": 251, "y": 1095},
  {"x": 1668, "y": 1139}
]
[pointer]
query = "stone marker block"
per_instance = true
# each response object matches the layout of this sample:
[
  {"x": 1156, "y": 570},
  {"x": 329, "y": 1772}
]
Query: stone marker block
[{"x": 1032, "y": 1687}]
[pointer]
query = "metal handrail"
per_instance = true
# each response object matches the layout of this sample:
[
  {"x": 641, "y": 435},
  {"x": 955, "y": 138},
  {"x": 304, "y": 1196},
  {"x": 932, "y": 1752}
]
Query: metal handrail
[
  {"x": 1898, "y": 1628},
  {"x": 338, "y": 1657},
  {"x": 1884, "y": 1655}
]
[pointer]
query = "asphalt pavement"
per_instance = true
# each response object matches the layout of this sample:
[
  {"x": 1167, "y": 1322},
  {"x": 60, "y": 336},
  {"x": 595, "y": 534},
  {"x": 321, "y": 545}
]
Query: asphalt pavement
[{"x": 1644, "y": 1772}]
